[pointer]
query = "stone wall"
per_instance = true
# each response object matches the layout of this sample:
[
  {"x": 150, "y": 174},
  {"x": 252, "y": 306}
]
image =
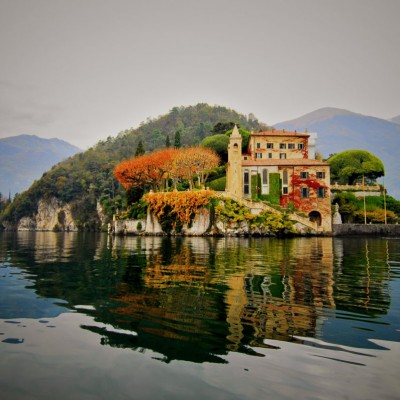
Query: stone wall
[{"x": 369, "y": 229}]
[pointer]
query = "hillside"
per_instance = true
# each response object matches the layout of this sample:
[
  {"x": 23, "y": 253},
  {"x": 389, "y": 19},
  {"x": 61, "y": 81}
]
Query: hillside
[
  {"x": 340, "y": 130},
  {"x": 87, "y": 178},
  {"x": 24, "y": 158}
]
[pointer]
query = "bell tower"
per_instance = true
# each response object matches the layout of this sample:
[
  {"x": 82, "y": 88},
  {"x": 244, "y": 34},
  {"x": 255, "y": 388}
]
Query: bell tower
[{"x": 234, "y": 175}]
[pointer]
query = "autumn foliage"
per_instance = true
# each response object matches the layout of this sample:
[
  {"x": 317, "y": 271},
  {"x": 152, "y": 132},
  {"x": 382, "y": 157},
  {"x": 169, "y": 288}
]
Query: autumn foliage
[
  {"x": 156, "y": 168},
  {"x": 182, "y": 206}
]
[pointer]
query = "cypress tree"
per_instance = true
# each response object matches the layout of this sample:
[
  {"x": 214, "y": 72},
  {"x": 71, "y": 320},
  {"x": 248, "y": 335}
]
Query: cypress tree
[
  {"x": 140, "y": 149},
  {"x": 177, "y": 140},
  {"x": 167, "y": 142}
]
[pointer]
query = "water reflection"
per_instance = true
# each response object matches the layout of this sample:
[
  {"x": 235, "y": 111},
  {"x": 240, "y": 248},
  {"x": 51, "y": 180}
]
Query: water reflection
[{"x": 197, "y": 299}]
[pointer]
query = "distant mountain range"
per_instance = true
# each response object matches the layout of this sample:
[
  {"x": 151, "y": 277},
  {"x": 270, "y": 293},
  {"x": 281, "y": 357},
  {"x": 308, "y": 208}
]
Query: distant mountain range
[
  {"x": 396, "y": 119},
  {"x": 25, "y": 158},
  {"x": 340, "y": 130}
]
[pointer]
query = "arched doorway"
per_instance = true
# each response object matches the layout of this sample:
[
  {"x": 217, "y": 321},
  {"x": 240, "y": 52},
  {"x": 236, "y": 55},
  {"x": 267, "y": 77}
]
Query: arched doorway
[{"x": 315, "y": 216}]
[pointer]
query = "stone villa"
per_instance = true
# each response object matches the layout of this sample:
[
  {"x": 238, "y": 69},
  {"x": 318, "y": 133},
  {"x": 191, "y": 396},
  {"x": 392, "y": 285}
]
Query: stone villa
[{"x": 280, "y": 166}]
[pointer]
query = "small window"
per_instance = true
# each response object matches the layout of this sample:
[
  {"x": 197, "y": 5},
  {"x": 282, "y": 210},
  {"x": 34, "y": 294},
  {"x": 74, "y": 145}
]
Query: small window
[
  {"x": 321, "y": 193},
  {"x": 285, "y": 190},
  {"x": 258, "y": 155},
  {"x": 290, "y": 146},
  {"x": 304, "y": 175},
  {"x": 282, "y": 145},
  {"x": 305, "y": 193},
  {"x": 270, "y": 145},
  {"x": 282, "y": 156},
  {"x": 321, "y": 175},
  {"x": 300, "y": 146},
  {"x": 269, "y": 155},
  {"x": 258, "y": 145},
  {"x": 245, "y": 157}
]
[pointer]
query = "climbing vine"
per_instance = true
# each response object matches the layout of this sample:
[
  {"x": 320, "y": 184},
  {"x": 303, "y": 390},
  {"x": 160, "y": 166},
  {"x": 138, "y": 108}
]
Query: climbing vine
[{"x": 174, "y": 209}]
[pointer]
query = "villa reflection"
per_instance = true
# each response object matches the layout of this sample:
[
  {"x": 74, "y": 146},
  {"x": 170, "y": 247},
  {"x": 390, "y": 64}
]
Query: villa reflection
[{"x": 196, "y": 299}]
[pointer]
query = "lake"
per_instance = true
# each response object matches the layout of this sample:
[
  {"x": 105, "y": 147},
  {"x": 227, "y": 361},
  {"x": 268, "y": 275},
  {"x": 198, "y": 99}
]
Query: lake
[{"x": 89, "y": 316}]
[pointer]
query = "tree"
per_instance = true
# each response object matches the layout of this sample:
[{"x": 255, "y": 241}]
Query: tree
[
  {"x": 222, "y": 127},
  {"x": 139, "y": 149},
  {"x": 167, "y": 142},
  {"x": 351, "y": 165},
  {"x": 177, "y": 139},
  {"x": 218, "y": 143},
  {"x": 150, "y": 169}
]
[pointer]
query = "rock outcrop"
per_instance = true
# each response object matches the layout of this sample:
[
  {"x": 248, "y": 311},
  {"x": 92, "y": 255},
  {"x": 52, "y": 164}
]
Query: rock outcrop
[{"x": 52, "y": 215}]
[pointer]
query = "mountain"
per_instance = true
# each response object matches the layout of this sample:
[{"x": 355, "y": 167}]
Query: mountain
[
  {"x": 396, "y": 119},
  {"x": 340, "y": 130},
  {"x": 24, "y": 158},
  {"x": 86, "y": 180}
]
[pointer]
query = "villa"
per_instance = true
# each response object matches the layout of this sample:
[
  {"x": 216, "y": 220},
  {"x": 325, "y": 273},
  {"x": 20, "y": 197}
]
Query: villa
[{"x": 280, "y": 167}]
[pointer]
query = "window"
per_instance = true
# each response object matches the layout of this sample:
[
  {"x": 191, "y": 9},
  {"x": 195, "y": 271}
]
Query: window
[
  {"x": 246, "y": 182},
  {"x": 245, "y": 157},
  {"x": 305, "y": 193},
  {"x": 304, "y": 175},
  {"x": 282, "y": 145},
  {"x": 282, "y": 156},
  {"x": 258, "y": 155},
  {"x": 285, "y": 177},
  {"x": 270, "y": 145},
  {"x": 285, "y": 190},
  {"x": 321, "y": 192},
  {"x": 290, "y": 146},
  {"x": 258, "y": 145},
  {"x": 300, "y": 146},
  {"x": 321, "y": 175},
  {"x": 269, "y": 155},
  {"x": 265, "y": 177}
]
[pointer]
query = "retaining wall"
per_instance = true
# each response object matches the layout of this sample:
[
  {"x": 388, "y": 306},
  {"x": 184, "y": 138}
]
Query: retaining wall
[{"x": 368, "y": 230}]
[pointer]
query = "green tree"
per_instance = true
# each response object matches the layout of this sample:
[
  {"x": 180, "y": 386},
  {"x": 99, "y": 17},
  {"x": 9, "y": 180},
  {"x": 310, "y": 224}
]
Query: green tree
[
  {"x": 351, "y": 165},
  {"x": 167, "y": 142},
  {"x": 139, "y": 149},
  {"x": 222, "y": 127},
  {"x": 219, "y": 143},
  {"x": 177, "y": 139}
]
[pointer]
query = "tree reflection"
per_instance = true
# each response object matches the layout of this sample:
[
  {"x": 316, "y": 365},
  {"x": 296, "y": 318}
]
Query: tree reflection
[{"x": 196, "y": 299}]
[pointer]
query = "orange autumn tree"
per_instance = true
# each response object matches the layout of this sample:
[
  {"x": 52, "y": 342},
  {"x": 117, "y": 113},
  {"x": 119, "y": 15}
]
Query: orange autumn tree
[
  {"x": 154, "y": 169},
  {"x": 194, "y": 161},
  {"x": 149, "y": 169}
]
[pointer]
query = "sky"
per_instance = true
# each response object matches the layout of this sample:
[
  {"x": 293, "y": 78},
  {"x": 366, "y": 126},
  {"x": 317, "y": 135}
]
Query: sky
[{"x": 83, "y": 70}]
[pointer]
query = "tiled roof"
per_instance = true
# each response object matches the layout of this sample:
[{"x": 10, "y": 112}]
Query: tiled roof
[
  {"x": 291, "y": 162},
  {"x": 279, "y": 133}
]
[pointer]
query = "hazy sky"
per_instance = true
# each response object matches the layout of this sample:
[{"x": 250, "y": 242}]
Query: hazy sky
[{"x": 82, "y": 70}]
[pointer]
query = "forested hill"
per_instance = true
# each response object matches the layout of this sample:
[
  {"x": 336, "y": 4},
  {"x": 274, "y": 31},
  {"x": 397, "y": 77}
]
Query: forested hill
[
  {"x": 194, "y": 123},
  {"x": 87, "y": 178}
]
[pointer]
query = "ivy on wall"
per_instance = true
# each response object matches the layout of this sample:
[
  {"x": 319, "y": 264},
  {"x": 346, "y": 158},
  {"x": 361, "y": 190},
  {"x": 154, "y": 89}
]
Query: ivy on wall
[
  {"x": 275, "y": 188},
  {"x": 174, "y": 209}
]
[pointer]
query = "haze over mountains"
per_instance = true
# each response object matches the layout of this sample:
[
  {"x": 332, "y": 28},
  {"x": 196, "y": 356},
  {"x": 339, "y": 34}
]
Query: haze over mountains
[
  {"x": 340, "y": 130},
  {"x": 25, "y": 158}
]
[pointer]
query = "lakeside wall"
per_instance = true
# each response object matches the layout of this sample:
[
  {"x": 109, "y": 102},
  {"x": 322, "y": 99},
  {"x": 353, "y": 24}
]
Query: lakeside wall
[{"x": 366, "y": 230}]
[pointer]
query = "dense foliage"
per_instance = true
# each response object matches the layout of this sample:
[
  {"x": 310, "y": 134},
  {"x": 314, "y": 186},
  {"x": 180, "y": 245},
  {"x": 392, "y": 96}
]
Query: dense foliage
[
  {"x": 174, "y": 209},
  {"x": 87, "y": 178},
  {"x": 232, "y": 212},
  {"x": 351, "y": 165},
  {"x": 351, "y": 208}
]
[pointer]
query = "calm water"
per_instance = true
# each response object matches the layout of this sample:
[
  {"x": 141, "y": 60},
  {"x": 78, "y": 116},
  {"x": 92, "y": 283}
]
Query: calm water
[{"x": 86, "y": 316}]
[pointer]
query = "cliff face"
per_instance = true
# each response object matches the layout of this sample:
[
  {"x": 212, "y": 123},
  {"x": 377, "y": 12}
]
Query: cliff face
[{"x": 52, "y": 215}]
